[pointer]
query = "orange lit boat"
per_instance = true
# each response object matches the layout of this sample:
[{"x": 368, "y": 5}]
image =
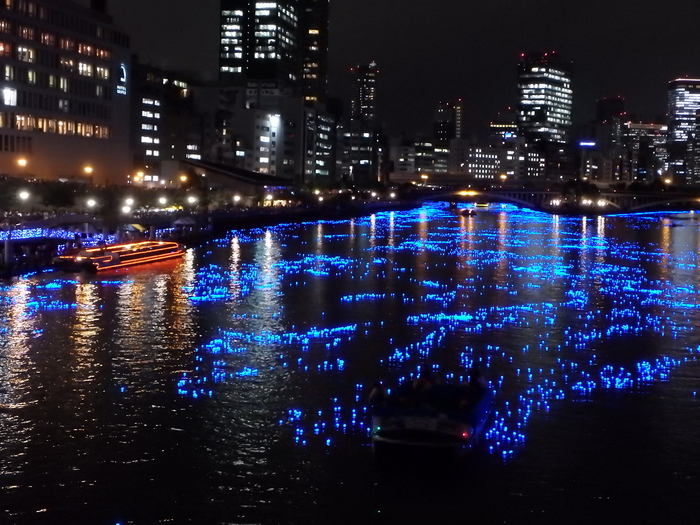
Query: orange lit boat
[{"x": 115, "y": 256}]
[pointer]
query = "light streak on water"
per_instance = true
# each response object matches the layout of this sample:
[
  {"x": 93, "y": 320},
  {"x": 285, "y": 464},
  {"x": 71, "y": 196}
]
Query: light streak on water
[
  {"x": 542, "y": 303},
  {"x": 555, "y": 310}
]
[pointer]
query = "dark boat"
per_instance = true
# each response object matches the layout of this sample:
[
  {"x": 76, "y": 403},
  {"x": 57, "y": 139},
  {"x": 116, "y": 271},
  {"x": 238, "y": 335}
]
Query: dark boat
[
  {"x": 115, "y": 256},
  {"x": 442, "y": 417}
]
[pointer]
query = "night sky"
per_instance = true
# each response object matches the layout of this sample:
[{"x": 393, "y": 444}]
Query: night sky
[{"x": 436, "y": 50}]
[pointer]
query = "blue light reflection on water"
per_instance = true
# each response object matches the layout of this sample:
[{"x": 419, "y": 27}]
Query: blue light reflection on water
[
  {"x": 555, "y": 310},
  {"x": 605, "y": 298}
]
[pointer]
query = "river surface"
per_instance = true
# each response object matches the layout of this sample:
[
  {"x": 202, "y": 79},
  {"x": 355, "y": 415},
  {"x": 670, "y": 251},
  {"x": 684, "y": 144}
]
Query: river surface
[{"x": 230, "y": 387}]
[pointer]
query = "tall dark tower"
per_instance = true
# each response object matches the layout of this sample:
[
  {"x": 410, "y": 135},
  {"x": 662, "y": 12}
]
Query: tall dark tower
[
  {"x": 364, "y": 93},
  {"x": 447, "y": 121},
  {"x": 313, "y": 40},
  {"x": 544, "y": 98},
  {"x": 259, "y": 40}
]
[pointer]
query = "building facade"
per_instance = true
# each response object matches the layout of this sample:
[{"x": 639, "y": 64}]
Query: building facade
[
  {"x": 65, "y": 92},
  {"x": 447, "y": 121},
  {"x": 273, "y": 71},
  {"x": 545, "y": 98},
  {"x": 164, "y": 125},
  {"x": 683, "y": 107},
  {"x": 363, "y": 102},
  {"x": 259, "y": 40}
]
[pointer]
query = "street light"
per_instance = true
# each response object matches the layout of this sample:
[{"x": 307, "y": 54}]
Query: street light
[
  {"x": 91, "y": 203},
  {"x": 22, "y": 162},
  {"x": 163, "y": 201},
  {"x": 191, "y": 199},
  {"x": 129, "y": 201},
  {"x": 23, "y": 195}
]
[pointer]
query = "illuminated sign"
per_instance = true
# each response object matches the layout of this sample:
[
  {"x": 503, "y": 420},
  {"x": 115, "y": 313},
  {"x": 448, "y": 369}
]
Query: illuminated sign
[{"x": 121, "y": 82}]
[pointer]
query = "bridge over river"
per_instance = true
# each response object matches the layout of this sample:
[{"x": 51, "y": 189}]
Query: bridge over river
[{"x": 605, "y": 202}]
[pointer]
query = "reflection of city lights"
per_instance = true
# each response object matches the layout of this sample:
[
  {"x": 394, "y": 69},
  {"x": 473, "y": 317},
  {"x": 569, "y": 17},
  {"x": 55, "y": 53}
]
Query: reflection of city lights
[{"x": 537, "y": 289}]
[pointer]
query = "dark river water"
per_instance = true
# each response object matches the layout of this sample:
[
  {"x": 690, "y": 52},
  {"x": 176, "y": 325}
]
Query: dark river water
[{"x": 230, "y": 387}]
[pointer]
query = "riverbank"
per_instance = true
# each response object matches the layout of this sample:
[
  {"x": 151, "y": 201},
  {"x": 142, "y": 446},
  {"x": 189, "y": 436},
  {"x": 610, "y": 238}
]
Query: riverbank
[{"x": 35, "y": 254}]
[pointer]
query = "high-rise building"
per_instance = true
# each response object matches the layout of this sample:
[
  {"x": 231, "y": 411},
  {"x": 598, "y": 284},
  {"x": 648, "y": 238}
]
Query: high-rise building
[
  {"x": 447, "y": 121},
  {"x": 65, "y": 91},
  {"x": 314, "y": 49},
  {"x": 364, "y": 93},
  {"x": 164, "y": 124},
  {"x": 363, "y": 147},
  {"x": 273, "y": 69},
  {"x": 259, "y": 40},
  {"x": 683, "y": 107},
  {"x": 544, "y": 98}
]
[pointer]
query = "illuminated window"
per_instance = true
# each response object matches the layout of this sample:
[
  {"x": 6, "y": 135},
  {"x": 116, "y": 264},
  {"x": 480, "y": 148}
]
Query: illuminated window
[
  {"x": 85, "y": 69},
  {"x": 9, "y": 96},
  {"x": 26, "y": 32},
  {"x": 26, "y": 54},
  {"x": 102, "y": 73}
]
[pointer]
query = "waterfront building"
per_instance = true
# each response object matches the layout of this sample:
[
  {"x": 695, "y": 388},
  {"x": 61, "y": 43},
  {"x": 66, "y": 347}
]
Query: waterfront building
[
  {"x": 646, "y": 143},
  {"x": 409, "y": 159},
  {"x": 273, "y": 69},
  {"x": 362, "y": 162},
  {"x": 66, "y": 83},
  {"x": 545, "y": 98},
  {"x": 683, "y": 106},
  {"x": 164, "y": 125},
  {"x": 496, "y": 162}
]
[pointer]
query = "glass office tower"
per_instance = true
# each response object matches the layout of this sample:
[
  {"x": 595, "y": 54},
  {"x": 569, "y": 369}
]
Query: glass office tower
[
  {"x": 544, "y": 98},
  {"x": 259, "y": 40},
  {"x": 683, "y": 107}
]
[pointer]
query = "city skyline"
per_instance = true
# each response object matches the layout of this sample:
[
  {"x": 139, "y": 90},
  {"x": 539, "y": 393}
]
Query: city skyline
[{"x": 631, "y": 49}]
